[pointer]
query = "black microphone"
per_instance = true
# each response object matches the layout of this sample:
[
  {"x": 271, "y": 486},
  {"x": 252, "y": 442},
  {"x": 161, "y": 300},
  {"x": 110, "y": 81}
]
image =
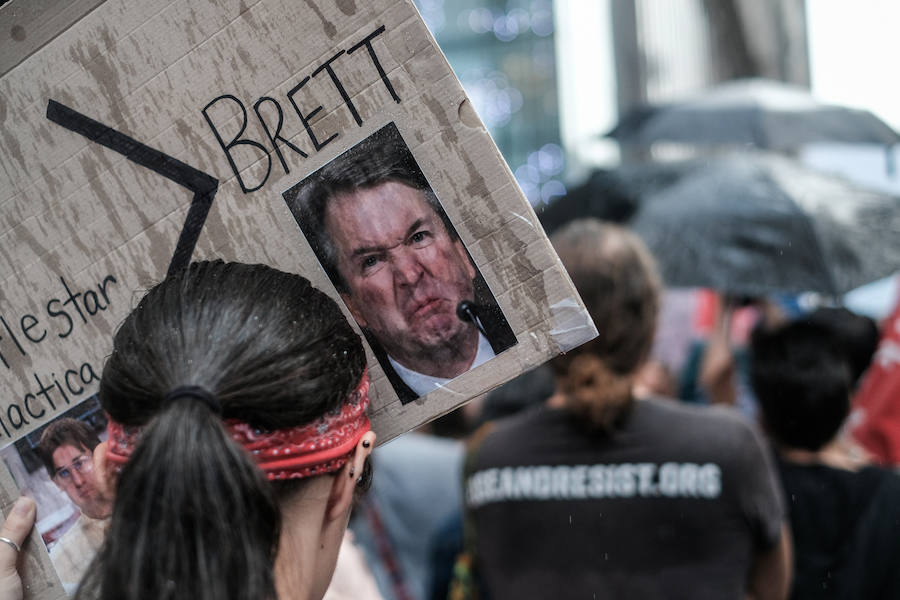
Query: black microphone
[{"x": 465, "y": 310}]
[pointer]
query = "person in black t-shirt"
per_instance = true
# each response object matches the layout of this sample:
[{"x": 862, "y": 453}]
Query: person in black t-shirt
[
  {"x": 598, "y": 494},
  {"x": 845, "y": 519}
]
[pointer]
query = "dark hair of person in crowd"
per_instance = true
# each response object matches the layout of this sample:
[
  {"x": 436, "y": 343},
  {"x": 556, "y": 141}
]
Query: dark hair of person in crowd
[
  {"x": 194, "y": 517},
  {"x": 857, "y": 336},
  {"x": 802, "y": 380},
  {"x": 381, "y": 158},
  {"x": 65, "y": 431},
  {"x": 528, "y": 390},
  {"x": 619, "y": 284}
]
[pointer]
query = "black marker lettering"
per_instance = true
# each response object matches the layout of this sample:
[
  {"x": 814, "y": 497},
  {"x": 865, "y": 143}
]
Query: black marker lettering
[
  {"x": 72, "y": 389},
  {"x": 60, "y": 313},
  {"x": 367, "y": 42},
  {"x": 21, "y": 420},
  {"x": 32, "y": 321},
  {"x": 90, "y": 297},
  {"x": 237, "y": 141},
  {"x": 34, "y": 415},
  {"x": 90, "y": 370},
  {"x": 102, "y": 287},
  {"x": 14, "y": 339},
  {"x": 305, "y": 119},
  {"x": 203, "y": 186},
  {"x": 59, "y": 387},
  {"x": 44, "y": 392},
  {"x": 338, "y": 85},
  {"x": 274, "y": 138},
  {"x": 73, "y": 299}
]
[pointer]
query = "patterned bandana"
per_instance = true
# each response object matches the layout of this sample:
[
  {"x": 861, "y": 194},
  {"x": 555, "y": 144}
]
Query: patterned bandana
[{"x": 323, "y": 446}]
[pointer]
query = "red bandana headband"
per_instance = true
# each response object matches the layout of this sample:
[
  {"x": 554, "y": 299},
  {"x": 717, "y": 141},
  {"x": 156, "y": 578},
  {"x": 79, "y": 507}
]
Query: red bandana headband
[{"x": 323, "y": 446}]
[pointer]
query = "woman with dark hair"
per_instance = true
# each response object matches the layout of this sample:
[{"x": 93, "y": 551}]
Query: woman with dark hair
[
  {"x": 598, "y": 494},
  {"x": 238, "y": 436}
]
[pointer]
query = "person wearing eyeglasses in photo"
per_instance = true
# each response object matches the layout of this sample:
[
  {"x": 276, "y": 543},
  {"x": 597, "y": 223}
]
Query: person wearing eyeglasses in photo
[{"x": 66, "y": 448}]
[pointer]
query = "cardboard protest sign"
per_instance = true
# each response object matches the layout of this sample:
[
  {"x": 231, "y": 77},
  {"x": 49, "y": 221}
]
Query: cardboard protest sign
[{"x": 144, "y": 135}]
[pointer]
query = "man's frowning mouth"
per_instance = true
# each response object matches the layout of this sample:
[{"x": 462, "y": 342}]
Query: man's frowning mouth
[{"x": 425, "y": 307}]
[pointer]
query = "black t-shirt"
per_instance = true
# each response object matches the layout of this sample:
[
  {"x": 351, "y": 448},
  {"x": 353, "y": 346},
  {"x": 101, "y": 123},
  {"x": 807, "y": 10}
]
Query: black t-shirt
[
  {"x": 846, "y": 532},
  {"x": 674, "y": 504}
]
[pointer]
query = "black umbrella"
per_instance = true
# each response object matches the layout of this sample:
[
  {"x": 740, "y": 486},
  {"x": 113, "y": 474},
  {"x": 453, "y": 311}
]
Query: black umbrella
[
  {"x": 610, "y": 194},
  {"x": 752, "y": 225},
  {"x": 756, "y": 112}
]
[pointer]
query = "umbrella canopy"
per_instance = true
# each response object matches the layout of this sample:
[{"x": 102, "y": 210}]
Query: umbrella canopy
[
  {"x": 752, "y": 225},
  {"x": 610, "y": 194},
  {"x": 756, "y": 112}
]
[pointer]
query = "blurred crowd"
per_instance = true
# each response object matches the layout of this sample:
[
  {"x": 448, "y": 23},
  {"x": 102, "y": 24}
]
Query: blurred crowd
[
  {"x": 737, "y": 472},
  {"x": 760, "y": 465},
  {"x": 718, "y": 439},
  {"x": 750, "y": 457}
]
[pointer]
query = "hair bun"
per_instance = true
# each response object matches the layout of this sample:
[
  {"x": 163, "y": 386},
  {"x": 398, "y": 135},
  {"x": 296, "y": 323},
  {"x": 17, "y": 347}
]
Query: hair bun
[
  {"x": 195, "y": 392},
  {"x": 594, "y": 391}
]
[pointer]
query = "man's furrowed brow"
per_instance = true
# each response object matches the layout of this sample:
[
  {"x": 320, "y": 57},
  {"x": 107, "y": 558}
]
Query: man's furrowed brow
[
  {"x": 363, "y": 250},
  {"x": 417, "y": 224}
]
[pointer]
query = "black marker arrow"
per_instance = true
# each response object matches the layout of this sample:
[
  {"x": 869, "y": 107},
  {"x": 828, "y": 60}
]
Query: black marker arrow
[{"x": 203, "y": 186}]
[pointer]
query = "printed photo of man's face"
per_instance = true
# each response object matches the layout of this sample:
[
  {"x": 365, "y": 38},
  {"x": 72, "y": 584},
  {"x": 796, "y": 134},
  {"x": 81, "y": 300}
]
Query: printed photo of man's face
[
  {"x": 54, "y": 465},
  {"x": 400, "y": 267},
  {"x": 74, "y": 474}
]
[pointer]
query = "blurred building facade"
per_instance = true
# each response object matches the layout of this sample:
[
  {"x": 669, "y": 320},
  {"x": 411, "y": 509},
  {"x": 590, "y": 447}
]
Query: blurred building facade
[
  {"x": 664, "y": 50},
  {"x": 549, "y": 78},
  {"x": 503, "y": 52}
]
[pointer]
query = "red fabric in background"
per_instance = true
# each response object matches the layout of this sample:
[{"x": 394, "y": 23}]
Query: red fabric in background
[{"x": 876, "y": 406}]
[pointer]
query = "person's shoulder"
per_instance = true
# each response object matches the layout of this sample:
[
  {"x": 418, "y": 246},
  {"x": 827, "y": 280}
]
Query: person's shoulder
[
  {"x": 701, "y": 415},
  {"x": 517, "y": 424},
  {"x": 414, "y": 442},
  {"x": 721, "y": 428},
  {"x": 413, "y": 450},
  {"x": 496, "y": 439},
  {"x": 886, "y": 481}
]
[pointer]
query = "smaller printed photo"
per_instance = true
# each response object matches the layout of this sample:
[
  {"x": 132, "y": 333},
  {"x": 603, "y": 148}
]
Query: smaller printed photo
[
  {"x": 54, "y": 466},
  {"x": 383, "y": 237}
]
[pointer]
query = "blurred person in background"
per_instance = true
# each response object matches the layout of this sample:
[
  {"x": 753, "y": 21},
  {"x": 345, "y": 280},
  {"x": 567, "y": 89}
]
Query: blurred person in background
[
  {"x": 717, "y": 369},
  {"x": 352, "y": 579},
  {"x": 655, "y": 379},
  {"x": 446, "y": 549},
  {"x": 597, "y": 494},
  {"x": 417, "y": 486},
  {"x": 874, "y": 422},
  {"x": 857, "y": 336},
  {"x": 845, "y": 517}
]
